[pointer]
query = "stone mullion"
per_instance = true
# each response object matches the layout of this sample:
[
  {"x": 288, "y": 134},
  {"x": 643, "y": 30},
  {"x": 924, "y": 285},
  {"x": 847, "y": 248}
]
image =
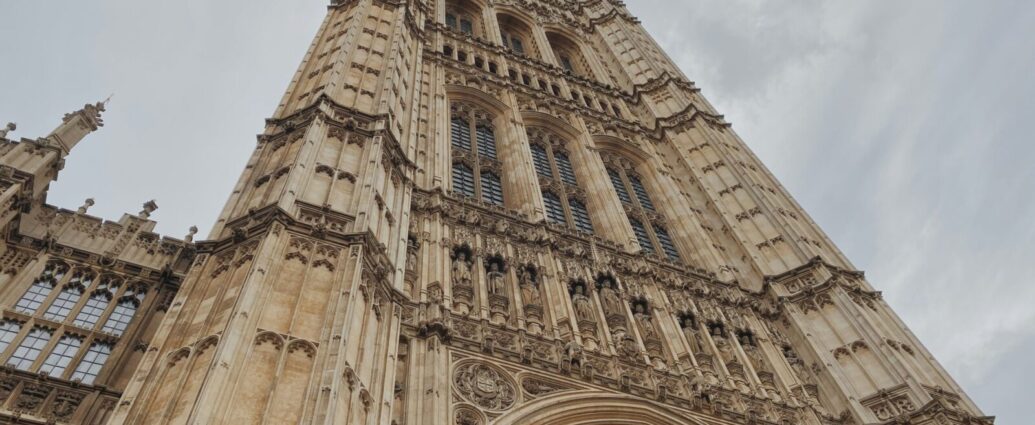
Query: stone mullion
[
  {"x": 531, "y": 201},
  {"x": 490, "y": 24},
  {"x": 546, "y": 53},
  {"x": 607, "y": 209},
  {"x": 441, "y": 163}
]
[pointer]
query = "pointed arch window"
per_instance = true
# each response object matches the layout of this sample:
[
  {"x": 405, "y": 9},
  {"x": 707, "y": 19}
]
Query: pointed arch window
[
  {"x": 647, "y": 224},
  {"x": 123, "y": 313},
  {"x": 92, "y": 363},
  {"x": 41, "y": 288},
  {"x": 461, "y": 17},
  {"x": 475, "y": 162},
  {"x": 69, "y": 297},
  {"x": 564, "y": 200}
]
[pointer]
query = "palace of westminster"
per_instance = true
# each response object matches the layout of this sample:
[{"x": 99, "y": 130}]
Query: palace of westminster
[{"x": 469, "y": 212}]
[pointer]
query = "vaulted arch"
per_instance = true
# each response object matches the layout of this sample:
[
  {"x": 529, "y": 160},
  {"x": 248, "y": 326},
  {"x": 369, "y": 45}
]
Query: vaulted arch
[{"x": 594, "y": 408}]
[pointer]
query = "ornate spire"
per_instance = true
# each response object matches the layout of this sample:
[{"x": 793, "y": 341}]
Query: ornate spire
[{"x": 77, "y": 124}]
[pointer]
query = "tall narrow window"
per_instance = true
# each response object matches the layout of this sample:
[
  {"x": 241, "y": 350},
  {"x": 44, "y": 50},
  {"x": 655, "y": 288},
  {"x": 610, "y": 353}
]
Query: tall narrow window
[
  {"x": 26, "y": 353},
  {"x": 641, "y": 192},
  {"x": 650, "y": 234},
  {"x": 580, "y": 215},
  {"x": 92, "y": 363},
  {"x": 451, "y": 20},
  {"x": 564, "y": 168},
  {"x": 492, "y": 189},
  {"x": 123, "y": 313},
  {"x": 34, "y": 297},
  {"x": 541, "y": 161},
  {"x": 564, "y": 201},
  {"x": 64, "y": 303},
  {"x": 463, "y": 180},
  {"x": 641, "y": 235},
  {"x": 61, "y": 356},
  {"x": 93, "y": 310},
  {"x": 466, "y": 27},
  {"x": 554, "y": 209},
  {"x": 486, "y": 142},
  {"x": 616, "y": 181},
  {"x": 8, "y": 331},
  {"x": 666, "y": 243},
  {"x": 461, "y": 134},
  {"x": 566, "y": 64},
  {"x": 476, "y": 166}
]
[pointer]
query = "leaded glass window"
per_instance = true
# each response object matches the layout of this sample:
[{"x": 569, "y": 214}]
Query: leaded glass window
[
  {"x": 61, "y": 356},
  {"x": 34, "y": 297},
  {"x": 92, "y": 310},
  {"x": 123, "y": 313},
  {"x": 27, "y": 352},
  {"x": 92, "y": 362},
  {"x": 8, "y": 331}
]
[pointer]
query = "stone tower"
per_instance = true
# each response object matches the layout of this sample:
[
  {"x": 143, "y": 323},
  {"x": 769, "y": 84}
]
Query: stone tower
[{"x": 464, "y": 212}]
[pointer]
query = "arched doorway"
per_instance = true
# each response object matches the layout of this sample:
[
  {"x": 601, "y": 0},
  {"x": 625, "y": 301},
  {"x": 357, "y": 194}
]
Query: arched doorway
[{"x": 593, "y": 408}]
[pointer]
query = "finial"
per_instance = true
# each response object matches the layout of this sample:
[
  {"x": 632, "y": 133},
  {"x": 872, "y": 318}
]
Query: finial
[
  {"x": 190, "y": 234},
  {"x": 10, "y": 127},
  {"x": 149, "y": 207},
  {"x": 86, "y": 206}
]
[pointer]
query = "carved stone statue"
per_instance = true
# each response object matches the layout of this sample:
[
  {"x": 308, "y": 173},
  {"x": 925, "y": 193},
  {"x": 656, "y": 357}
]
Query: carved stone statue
[
  {"x": 529, "y": 290},
  {"x": 434, "y": 304},
  {"x": 610, "y": 299},
  {"x": 692, "y": 338},
  {"x": 646, "y": 326},
  {"x": 757, "y": 358},
  {"x": 495, "y": 280},
  {"x": 583, "y": 307},
  {"x": 725, "y": 350},
  {"x": 461, "y": 271}
]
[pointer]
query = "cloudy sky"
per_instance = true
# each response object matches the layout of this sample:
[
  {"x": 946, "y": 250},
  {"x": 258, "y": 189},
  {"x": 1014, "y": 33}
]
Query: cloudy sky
[{"x": 903, "y": 127}]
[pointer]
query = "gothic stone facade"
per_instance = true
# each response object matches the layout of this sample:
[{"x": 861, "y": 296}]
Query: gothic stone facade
[{"x": 465, "y": 212}]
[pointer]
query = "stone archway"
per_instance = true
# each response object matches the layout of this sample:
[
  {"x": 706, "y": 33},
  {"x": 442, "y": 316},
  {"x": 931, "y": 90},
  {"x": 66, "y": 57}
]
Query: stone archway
[{"x": 593, "y": 408}]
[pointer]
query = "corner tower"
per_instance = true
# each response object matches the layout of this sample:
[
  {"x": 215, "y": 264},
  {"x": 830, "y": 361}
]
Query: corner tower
[{"x": 517, "y": 212}]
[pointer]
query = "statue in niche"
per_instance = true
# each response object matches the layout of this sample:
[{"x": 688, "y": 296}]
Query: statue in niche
[
  {"x": 529, "y": 288},
  {"x": 581, "y": 302},
  {"x": 434, "y": 309},
  {"x": 461, "y": 270},
  {"x": 757, "y": 358},
  {"x": 495, "y": 279},
  {"x": 725, "y": 350},
  {"x": 646, "y": 326},
  {"x": 690, "y": 331},
  {"x": 609, "y": 296}
]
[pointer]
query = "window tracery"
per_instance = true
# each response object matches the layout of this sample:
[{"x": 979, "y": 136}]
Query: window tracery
[
  {"x": 476, "y": 166},
  {"x": 463, "y": 16},
  {"x": 647, "y": 224},
  {"x": 563, "y": 199}
]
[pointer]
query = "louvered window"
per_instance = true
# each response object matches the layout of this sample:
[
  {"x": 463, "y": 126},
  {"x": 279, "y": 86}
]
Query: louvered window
[
  {"x": 463, "y": 180},
  {"x": 616, "y": 181},
  {"x": 466, "y": 27},
  {"x": 641, "y": 192},
  {"x": 461, "y": 135},
  {"x": 641, "y": 235},
  {"x": 554, "y": 209},
  {"x": 451, "y": 21},
  {"x": 541, "y": 161},
  {"x": 666, "y": 243},
  {"x": 492, "y": 189},
  {"x": 580, "y": 215},
  {"x": 564, "y": 167},
  {"x": 486, "y": 142}
]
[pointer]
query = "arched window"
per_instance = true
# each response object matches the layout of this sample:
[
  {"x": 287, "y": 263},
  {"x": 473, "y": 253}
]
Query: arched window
[
  {"x": 646, "y": 223},
  {"x": 476, "y": 166},
  {"x": 564, "y": 200},
  {"x": 97, "y": 303},
  {"x": 568, "y": 54},
  {"x": 92, "y": 362},
  {"x": 463, "y": 16},
  {"x": 515, "y": 34},
  {"x": 41, "y": 288},
  {"x": 69, "y": 297},
  {"x": 8, "y": 331},
  {"x": 124, "y": 311}
]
